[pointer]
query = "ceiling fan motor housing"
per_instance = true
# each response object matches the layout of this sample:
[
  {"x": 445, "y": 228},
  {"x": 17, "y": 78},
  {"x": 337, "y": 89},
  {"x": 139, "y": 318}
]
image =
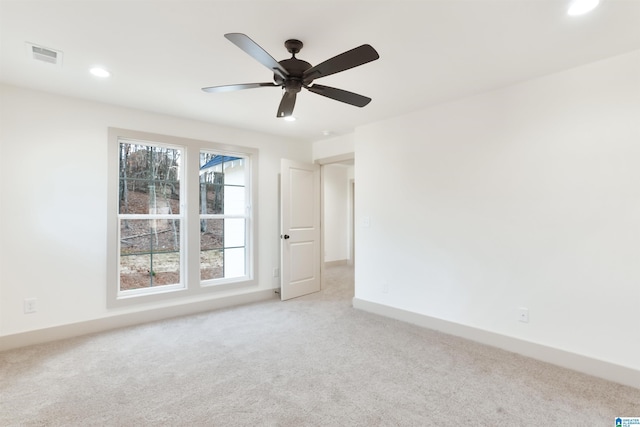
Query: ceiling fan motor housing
[{"x": 296, "y": 68}]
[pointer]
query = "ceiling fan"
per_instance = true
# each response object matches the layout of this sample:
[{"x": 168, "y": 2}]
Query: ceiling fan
[{"x": 293, "y": 74}]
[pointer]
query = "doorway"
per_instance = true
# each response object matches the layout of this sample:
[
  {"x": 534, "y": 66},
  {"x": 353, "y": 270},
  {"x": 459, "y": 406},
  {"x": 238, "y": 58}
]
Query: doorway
[
  {"x": 338, "y": 200},
  {"x": 338, "y": 231},
  {"x": 303, "y": 264}
]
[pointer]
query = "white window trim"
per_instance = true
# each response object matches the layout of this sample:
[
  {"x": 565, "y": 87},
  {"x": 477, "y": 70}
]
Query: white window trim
[{"x": 191, "y": 285}]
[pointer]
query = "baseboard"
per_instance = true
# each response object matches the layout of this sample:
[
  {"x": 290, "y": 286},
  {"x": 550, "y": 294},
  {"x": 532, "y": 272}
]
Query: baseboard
[
  {"x": 565, "y": 359},
  {"x": 55, "y": 333},
  {"x": 335, "y": 263}
]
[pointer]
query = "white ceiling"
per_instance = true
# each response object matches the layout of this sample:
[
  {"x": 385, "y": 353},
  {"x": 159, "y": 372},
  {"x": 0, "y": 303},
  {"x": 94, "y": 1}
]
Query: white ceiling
[{"x": 161, "y": 53}]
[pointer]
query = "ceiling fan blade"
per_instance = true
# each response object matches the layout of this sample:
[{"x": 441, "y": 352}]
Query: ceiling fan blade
[
  {"x": 340, "y": 95},
  {"x": 230, "y": 88},
  {"x": 286, "y": 105},
  {"x": 349, "y": 59},
  {"x": 259, "y": 54}
]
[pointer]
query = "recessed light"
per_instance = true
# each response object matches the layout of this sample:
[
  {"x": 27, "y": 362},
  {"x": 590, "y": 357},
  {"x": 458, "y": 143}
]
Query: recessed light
[
  {"x": 290, "y": 118},
  {"x": 580, "y": 7},
  {"x": 100, "y": 72}
]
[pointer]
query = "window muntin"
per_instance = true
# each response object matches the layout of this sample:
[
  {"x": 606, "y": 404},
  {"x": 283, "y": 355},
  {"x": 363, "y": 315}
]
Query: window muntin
[
  {"x": 224, "y": 216},
  {"x": 149, "y": 217}
]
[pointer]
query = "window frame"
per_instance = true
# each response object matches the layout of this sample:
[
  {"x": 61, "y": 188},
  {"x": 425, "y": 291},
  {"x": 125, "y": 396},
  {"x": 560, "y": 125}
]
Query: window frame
[
  {"x": 191, "y": 285},
  {"x": 180, "y": 216},
  {"x": 246, "y": 216}
]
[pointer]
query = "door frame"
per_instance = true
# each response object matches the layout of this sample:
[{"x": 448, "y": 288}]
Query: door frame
[
  {"x": 341, "y": 158},
  {"x": 344, "y": 159},
  {"x": 352, "y": 223}
]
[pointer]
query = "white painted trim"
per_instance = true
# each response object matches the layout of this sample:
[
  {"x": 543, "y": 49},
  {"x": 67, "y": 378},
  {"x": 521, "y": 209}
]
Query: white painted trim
[
  {"x": 55, "y": 333},
  {"x": 336, "y": 263},
  {"x": 340, "y": 158},
  {"x": 587, "y": 365},
  {"x": 351, "y": 222}
]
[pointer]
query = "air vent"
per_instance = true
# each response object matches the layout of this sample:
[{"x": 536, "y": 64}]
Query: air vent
[{"x": 44, "y": 54}]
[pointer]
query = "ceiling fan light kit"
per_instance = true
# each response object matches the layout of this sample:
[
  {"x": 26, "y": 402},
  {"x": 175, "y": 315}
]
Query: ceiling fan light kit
[{"x": 294, "y": 74}]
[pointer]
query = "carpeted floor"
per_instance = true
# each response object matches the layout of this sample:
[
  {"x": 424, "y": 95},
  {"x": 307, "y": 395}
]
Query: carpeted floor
[{"x": 312, "y": 361}]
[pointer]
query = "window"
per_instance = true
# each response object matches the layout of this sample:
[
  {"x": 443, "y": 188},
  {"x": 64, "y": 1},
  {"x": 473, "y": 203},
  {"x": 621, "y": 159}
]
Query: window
[
  {"x": 149, "y": 216},
  {"x": 223, "y": 216},
  {"x": 164, "y": 194}
]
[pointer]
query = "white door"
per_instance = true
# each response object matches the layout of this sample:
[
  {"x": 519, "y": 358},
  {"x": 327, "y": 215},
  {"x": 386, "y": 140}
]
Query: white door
[{"x": 300, "y": 228}]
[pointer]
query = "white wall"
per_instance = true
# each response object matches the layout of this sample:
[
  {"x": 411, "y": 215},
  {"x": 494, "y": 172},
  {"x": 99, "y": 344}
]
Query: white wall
[
  {"x": 528, "y": 196},
  {"x": 53, "y": 182},
  {"x": 336, "y": 212},
  {"x": 331, "y": 147}
]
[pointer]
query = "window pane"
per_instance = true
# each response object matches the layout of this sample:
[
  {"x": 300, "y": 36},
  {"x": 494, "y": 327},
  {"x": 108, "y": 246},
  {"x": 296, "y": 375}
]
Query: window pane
[
  {"x": 149, "y": 253},
  {"x": 211, "y": 264},
  {"x": 234, "y": 232},
  {"x": 222, "y": 248},
  {"x": 211, "y": 194},
  {"x": 234, "y": 202},
  {"x": 211, "y": 234},
  {"x": 211, "y": 183},
  {"x": 234, "y": 262},
  {"x": 149, "y": 179},
  {"x": 222, "y": 181},
  {"x": 234, "y": 171}
]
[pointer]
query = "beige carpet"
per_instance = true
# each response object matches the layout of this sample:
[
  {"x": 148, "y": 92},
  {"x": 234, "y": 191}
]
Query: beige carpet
[{"x": 312, "y": 361}]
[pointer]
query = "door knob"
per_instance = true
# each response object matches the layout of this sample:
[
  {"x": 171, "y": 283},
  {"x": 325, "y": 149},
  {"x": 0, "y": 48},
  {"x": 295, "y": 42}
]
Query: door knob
[{"x": 285, "y": 236}]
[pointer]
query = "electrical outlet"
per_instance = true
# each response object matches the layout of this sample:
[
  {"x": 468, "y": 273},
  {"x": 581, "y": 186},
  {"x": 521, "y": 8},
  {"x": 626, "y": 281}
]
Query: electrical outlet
[
  {"x": 385, "y": 288},
  {"x": 523, "y": 315},
  {"x": 276, "y": 272},
  {"x": 30, "y": 305}
]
